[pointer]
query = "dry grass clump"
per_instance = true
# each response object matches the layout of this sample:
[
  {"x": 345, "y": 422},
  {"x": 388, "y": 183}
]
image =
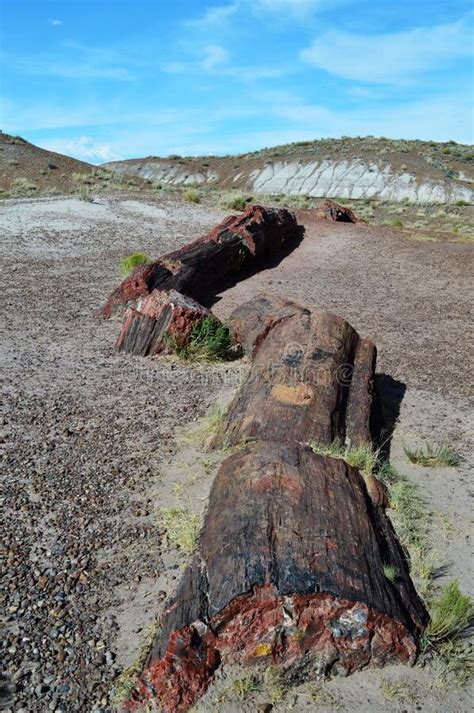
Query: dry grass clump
[
  {"x": 192, "y": 195},
  {"x": 182, "y": 528},
  {"x": 23, "y": 187},
  {"x": 434, "y": 456}
]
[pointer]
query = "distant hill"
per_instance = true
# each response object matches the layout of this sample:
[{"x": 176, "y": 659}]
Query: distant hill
[
  {"x": 417, "y": 171},
  {"x": 26, "y": 169}
]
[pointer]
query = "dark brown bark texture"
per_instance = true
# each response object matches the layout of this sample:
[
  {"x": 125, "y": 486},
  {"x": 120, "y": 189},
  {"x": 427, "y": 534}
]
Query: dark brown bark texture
[
  {"x": 311, "y": 377},
  {"x": 289, "y": 568},
  {"x": 204, "y": 267}
]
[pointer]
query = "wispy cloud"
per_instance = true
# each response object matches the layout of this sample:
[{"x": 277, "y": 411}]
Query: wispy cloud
[
  {"x": 214, "y": 17},
  {"x": 76, "y": 62},
  {"x": 389, "y": 58},
  {"x": 215, "y": 60},
  {"x": 215, "y": 56},
  {"x": 55, "y": 23},
  {"x": 83, "y": 148}
]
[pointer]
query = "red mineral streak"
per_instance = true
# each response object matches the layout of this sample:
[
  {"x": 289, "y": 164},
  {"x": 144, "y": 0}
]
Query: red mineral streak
[{"x": 320, "y": 632}]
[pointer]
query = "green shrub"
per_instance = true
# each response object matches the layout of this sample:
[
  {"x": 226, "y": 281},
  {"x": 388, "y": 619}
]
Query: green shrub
[
  {"x": 397, "y": 223},
  {"x": 210, "y": 340},
  {"x": 462, "y": 203},
  {"x": 192, "y": 195},
  {"x": 129, "y": 263}
]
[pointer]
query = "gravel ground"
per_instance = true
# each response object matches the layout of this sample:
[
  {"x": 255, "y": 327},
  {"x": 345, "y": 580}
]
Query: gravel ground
[{"x": 92, "y": 443}]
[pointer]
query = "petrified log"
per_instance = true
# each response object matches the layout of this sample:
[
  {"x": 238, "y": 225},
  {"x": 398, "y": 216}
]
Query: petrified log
[
  {"x": 311, "y": 377},
  {"x": 289, "y": 567},
  {"x": 202, "y": 268},
  {"x": 330, "y": 210},
  {"x": 159, "y": 317},
  {"x": 289, "y": 570}
]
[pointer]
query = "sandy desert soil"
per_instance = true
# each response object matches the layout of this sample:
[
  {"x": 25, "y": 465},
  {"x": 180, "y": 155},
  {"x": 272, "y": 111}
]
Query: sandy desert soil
[{"x": 95, "y": 446}]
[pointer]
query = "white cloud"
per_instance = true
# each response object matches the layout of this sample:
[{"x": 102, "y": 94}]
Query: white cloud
[
  {"x": 389, "y": 58},
  {"x": 83, "y": 148},
  {"x": 214, "y": 17},
  {"x": 214, "y": 55},
  {"x": 56, "y": 23}
]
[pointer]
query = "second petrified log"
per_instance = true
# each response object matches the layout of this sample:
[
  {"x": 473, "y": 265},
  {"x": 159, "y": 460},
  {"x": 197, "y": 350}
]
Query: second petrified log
[
  {"x": 291, "y": 561},
  {"x": 311, "y": 377},
  {"x": 201, "y": 268}
]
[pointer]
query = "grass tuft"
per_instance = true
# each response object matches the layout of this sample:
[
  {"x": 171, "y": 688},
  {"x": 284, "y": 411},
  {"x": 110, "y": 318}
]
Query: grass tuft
[
  {"x": 182, "y": 528},
  {"x": 364, "y": 458},
  {"x": 192, "y": 195},
  {"x": 129, "y": 263},
  {"x": 437, "y": 456},
  {"x": 398, "y": 691},
  {"x": 243, "y": 687},
  {"x": 451, "y": 615}
]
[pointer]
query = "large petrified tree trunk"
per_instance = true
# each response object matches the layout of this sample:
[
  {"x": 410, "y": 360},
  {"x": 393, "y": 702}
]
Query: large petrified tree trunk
[
  {"x": 289, "y": 567},
  {"x": 204, "y": 267}
]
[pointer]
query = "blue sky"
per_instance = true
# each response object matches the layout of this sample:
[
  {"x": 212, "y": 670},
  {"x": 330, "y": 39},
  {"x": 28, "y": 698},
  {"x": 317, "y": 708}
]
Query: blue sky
[{"x": 108, "y": 79}]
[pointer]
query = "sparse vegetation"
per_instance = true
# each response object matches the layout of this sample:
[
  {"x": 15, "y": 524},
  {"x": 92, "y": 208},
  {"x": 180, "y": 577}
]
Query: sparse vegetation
[
  {"x": 243, "y": 687},
  {"x": 192, "y": 195},
  {"x": 23, "y": 187},
  {"x": 397, "y": 223},
  {"x": 452, "y": 617},
  {"x": 125, "y": 683},
  {"x": 452, "y": 614},
  {"x": 409, "y": 513},
  {"x": 364, "y": 458},
  {"x": 390, "y": 572},
  {"x": 210, "y": 340},
  {"x": 129, "y": 263},
  {"x": 399, "y": 691},
  {"x": 274, "y": 684},
  {"x": 234, "y": 202},
  {"x": 436, "y": 456},
  {"x": 182, "y": 528}
]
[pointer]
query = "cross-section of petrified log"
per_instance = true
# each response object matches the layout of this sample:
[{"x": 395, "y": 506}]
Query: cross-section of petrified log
[
  {"x": 201, "y": 268},
  {"x": 159, "y": 318},
  {"x": 330, "y": 210},
  {"x": 289, "y": 570},
  {"x": 311, "y": 377}
]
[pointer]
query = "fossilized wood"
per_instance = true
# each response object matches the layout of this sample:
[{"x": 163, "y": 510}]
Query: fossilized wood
[
  {"x": 202, "y": 268},
  {"x": 159, "y": 318},
  {"x": 311, "y": 378},
  {"x": 252, "y": 321},
  {"x": 330, "y": 210},
  {"x": 289, "y": 570}
]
